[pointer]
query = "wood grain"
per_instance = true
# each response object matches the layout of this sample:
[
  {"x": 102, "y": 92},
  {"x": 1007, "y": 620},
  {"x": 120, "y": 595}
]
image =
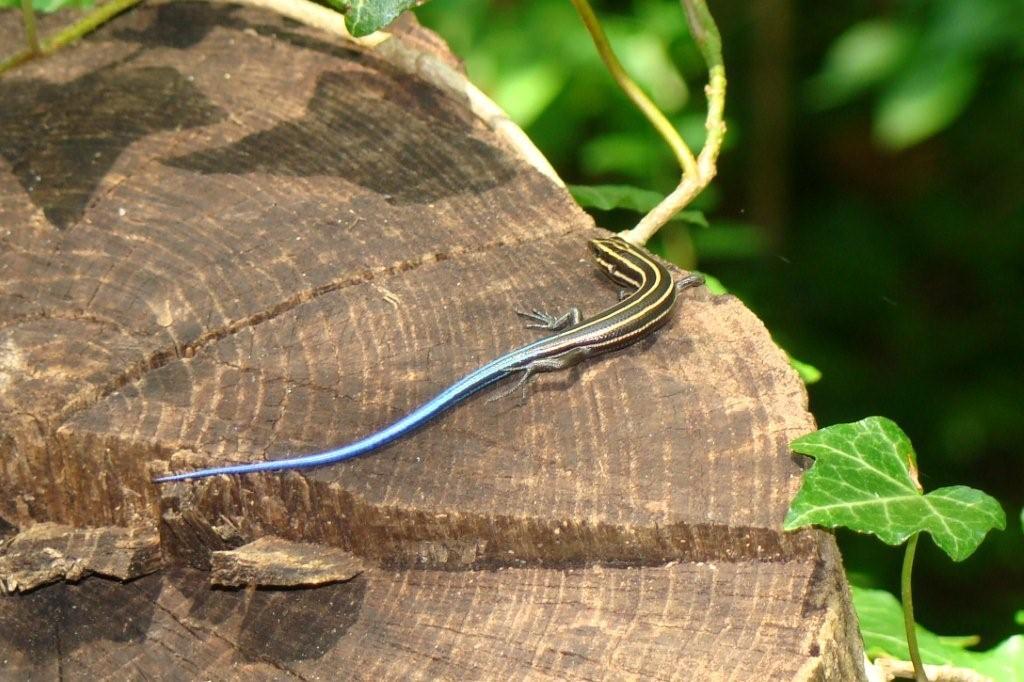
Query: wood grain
[
  {"x": 228, "y": 237},
  {"x": 588, "y": 623}
]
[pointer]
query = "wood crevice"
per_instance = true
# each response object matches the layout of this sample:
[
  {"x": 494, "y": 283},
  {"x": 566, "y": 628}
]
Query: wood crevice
[
  {"x": 410, "y": 539},
  {"x": 177, "y": 351}
]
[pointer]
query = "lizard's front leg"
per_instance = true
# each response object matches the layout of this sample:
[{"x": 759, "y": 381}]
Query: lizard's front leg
[{"x": 542, "y": 320}]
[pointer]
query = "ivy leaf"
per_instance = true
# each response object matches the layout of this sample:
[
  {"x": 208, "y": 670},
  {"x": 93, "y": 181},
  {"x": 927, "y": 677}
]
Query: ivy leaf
[
  {"x": 363, "y": 17},
  {"x": 881, "y": 626},
  {"x": 608, "y": 197},
  {"x": 864, "y": 477}
]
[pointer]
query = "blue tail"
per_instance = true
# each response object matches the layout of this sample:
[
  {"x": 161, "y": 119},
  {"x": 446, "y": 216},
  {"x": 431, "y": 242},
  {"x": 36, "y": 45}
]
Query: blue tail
[{"x": 485, "y": 376}]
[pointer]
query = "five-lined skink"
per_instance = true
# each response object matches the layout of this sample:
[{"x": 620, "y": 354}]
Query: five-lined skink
[{"x": 651, "y": 296}]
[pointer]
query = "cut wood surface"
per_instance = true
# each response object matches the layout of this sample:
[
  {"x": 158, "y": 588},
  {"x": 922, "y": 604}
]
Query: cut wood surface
[{"x": 227, "y": 237}]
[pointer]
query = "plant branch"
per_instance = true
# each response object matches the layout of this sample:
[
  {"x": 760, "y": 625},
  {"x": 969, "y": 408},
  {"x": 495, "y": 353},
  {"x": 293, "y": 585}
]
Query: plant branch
[
  {"x": 28, "y": 17},
  {"x": 705, "y": 34},
  {"x": 704, "y": 31},
  {"x": 90, "y": 22},
  {"x": 908, "y": 609},
  {"x": 657, "y": 119}
]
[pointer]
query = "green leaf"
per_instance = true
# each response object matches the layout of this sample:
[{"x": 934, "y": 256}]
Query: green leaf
[
  {"x": 713, "y": 284},
  {"x": 881, "y": 626},
  {"x": 862, "y": 479},
  {"x": 525, "y": 93},
  {"x": 633, "y": 154},
  {"x": 608, "y": 197},
  {"x": 809, "y": 373},
  {"x": 646, "y": 55},
  {"x": 865, "y": 54},
  {"x": 363, "y": 17},
  {"x": 960, "y": 641},
  {"x": 924, "y": 101},
  {"x": 48, "y": 6}
]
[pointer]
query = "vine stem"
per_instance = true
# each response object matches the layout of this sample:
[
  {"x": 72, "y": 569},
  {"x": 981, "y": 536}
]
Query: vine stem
[
  {"x": 705, "y": 34},
  {"x": 908, "y": 609},
  {"x": 657, "y": 119},
  {"x": 90, "y": 22},
  {"x": 28, "y": 17},
  {"x": 697, "y": 171}
]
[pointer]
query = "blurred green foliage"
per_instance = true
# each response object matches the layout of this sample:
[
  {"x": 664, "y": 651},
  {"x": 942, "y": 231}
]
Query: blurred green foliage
[
  {"x": 881, "y": 624},
  {"x": 48, "y": 6},
  {"x": 869, "y": 208},
  {"x": 609, "y": 197},
  {"x": 362, "y": 17},
  {"x": 921, "y": 66}
]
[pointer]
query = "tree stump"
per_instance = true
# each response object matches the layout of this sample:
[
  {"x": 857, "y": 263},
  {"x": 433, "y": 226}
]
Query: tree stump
[{"x": 229, "y": 237}]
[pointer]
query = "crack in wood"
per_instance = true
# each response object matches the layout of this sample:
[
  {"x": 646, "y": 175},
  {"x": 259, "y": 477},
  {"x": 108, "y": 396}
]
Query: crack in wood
[
  {"x": 161, "y": 357},
  {"x": 201, "y": 634}
]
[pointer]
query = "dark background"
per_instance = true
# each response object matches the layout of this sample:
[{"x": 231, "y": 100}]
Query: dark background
[{"x": 869, "y": 208}]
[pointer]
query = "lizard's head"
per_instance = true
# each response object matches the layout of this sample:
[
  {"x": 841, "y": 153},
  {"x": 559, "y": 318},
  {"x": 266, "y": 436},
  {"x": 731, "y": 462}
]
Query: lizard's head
[{"x": 616, "y": 258}]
